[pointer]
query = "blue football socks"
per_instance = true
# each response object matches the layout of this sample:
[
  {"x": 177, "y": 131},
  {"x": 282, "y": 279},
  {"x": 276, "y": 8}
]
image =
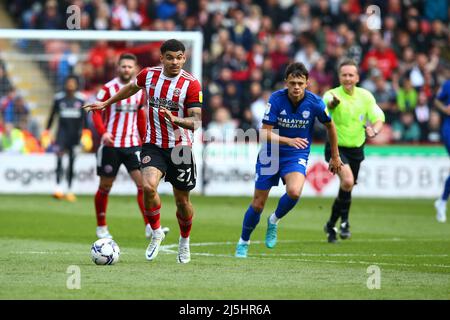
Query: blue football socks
[
  {"x": 251, "y": 220},
  {"x": 285, "y": 205}
]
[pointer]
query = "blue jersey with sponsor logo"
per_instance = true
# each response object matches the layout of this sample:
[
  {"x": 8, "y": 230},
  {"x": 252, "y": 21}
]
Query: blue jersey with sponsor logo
[
  {"x": 444, "y": 96},
  {"x": 294, "y": 120}
]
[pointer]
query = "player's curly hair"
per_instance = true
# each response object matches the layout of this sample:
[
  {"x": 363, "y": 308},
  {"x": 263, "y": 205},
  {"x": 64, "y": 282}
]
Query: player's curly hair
[
  {"x": 296, "y": 69},
  {"x": 172, "y": 45}
]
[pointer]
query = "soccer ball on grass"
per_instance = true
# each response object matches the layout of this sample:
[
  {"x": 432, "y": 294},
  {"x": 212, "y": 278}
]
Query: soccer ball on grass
[{"x": 105, "y": 252}]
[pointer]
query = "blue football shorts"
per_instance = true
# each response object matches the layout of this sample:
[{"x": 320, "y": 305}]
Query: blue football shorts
[{"x": 268, "y": 175}]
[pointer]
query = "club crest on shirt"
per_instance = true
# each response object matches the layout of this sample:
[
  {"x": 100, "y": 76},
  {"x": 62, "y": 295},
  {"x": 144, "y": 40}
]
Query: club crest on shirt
[
  {"x": 176, "y": 92},
  {"x": 306, "y": 114},
  {"x": 146, "y": 159}
]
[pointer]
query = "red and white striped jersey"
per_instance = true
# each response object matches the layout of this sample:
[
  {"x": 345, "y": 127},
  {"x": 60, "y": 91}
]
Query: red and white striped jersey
[
  {"x": 175, "y": 94},
  {"x": 120, "y": 118}
]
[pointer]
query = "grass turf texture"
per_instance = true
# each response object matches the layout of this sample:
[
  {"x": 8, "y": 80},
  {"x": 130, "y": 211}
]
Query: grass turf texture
[{"x": 41, "y": 237}]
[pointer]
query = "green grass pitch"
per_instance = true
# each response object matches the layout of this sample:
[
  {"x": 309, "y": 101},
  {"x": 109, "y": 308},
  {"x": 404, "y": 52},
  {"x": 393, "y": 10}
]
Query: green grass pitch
[{"x": 41, "y": 237}]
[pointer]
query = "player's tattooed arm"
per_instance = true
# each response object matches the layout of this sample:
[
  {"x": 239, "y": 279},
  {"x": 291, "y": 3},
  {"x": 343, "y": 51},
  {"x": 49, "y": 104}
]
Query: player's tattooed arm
[{"x": 192, "y": 121}]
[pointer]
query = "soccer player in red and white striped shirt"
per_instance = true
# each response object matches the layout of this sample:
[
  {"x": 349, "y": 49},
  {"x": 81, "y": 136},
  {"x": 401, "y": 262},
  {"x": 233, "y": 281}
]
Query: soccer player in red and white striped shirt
[
  {"x": 117, "y": 126},
  {"x": 174, "y": 101}
]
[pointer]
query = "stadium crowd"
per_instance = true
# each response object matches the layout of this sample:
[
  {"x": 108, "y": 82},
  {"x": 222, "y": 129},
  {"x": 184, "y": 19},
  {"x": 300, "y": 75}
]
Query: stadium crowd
[{"x": 248, "y": 43}]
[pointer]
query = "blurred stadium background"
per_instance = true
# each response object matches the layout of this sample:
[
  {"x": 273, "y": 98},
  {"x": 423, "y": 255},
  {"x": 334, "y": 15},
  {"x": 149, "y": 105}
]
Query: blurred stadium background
[{"x": 245, "y": 46}]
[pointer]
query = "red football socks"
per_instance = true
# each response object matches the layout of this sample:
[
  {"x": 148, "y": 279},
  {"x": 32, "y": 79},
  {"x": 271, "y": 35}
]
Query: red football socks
[
  {"x": 153, "y": 216},
  {"x": 101, "y": 202},
  {"x": 185, "y": 225}
]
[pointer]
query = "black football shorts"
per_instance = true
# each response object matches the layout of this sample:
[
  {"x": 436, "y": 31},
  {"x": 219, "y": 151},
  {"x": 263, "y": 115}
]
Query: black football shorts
[
  {"x": 351, "y": 156},
  {"x": 177, "y": 164},
  {"x": 109, "y": 160}
]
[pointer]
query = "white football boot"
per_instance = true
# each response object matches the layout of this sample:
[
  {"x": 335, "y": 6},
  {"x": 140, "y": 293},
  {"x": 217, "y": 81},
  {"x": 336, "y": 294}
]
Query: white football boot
[
  {"x": 103, "y": 232},
  {"x": 153, "y": 247},
  {"x": 441, "y": 210},
  {"x": 184, "y": 253}
]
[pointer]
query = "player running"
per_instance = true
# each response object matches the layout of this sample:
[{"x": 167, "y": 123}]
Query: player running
[
  {"x": 117, "y": 125},
  {"x": 67, "y": 106},
  {"x": 350, "y": 108},
  {"x": 174, "y": 99},
  {"x": 287, "y": 126},
  {"x": 442, "y": 102}
]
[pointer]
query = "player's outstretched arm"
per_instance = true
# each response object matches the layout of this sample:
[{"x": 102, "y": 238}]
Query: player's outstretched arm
[
  {"x": 333, "y": 103},
  {"x": 267, "y": 134},
  {"x": 335, "y": 161},
  {"x": 125, "y": 92}
]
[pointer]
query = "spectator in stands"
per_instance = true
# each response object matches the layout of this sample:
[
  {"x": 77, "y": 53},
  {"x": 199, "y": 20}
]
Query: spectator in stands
[
  {"x": 50, "y": 18},
  {"x": 2, "y": 129},
  {"x": 102, "y": 19},
  {"x": 253, "y": 22},
  {"x": 12, "y": 139},
  {"x": 417, "y": 38},
  {"x": 422, "y": 115},
  {"x": 257, "y": 103},
  {"x": 16, "y": 110},
  {"x": 353, "y": 49},
  {"x": 406, "y": 95},
  {"x": 417, "y": 72},
  {"x": 181, "y": 14},
  {"x": 434, "y": 127},
  {"x": 385, "y": 96},
  {"x": 127, "y": 16},
  {"x": 307, "y": 55},
  {"x": 222, "y": 128},
  {"x": 323, "y": 78},
  {"x": 166, "y": 9},
  {"x": 436, "y": 9},
  {"x": 322, "y": 9},
  {"x": 406, "y": 129},
  {"x": 240, "y": 34},
  {"x": 371, "y": 77},
  {"x": 241, "y": 64},
  {"x": 5, "y": 85},
  {"x": 67, "y": 63},
  {"x": 301, "y": 19},
  {"x": 31, "y": 143},
  {"x": 383, "y": 57},
  {"x": 408, "y": 60},
  {"x": 232, "y": 100}
]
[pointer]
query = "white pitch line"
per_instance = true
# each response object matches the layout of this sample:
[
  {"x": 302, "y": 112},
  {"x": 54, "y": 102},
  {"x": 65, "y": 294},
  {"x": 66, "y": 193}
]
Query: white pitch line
[{"x": 169, "y": 249}]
